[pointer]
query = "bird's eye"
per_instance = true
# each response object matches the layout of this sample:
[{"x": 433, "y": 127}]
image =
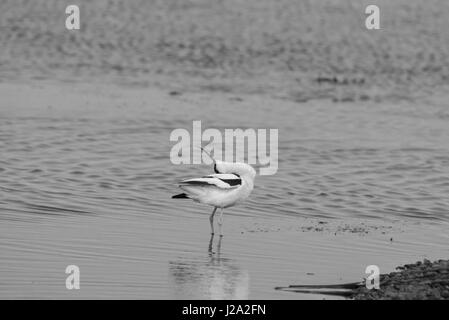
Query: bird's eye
[{"x": 215, "y": 168}]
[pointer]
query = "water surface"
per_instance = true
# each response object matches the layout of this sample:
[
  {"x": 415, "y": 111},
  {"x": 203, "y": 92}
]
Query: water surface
[{"x": 86, "y": 179}]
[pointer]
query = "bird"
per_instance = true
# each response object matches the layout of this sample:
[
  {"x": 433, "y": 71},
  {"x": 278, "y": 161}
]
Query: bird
[{"x": 231, "y": 184}]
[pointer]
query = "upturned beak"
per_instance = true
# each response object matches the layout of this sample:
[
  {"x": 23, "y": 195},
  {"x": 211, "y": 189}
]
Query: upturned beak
[{"x": 204, "y": 150}]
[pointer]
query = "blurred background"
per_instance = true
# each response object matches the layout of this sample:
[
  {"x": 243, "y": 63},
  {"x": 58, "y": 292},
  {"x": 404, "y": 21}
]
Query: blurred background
[{"x": 296, "y": 49}]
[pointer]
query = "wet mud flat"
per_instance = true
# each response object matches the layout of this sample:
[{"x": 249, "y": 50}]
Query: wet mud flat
[
  {"x": 417, "y": 281},
  {"x": 423, "y": 280}
]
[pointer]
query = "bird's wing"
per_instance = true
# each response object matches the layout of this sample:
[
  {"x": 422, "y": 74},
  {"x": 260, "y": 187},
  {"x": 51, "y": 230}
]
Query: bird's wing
[{"x": 222, "y": 181}]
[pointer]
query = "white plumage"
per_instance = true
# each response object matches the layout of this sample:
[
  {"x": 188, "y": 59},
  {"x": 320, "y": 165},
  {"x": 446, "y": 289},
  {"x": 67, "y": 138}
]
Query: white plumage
[{"x": 231, "y": 184}]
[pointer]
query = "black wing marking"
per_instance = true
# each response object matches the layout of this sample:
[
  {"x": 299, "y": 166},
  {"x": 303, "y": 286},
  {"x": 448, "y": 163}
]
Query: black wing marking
[
  {"x": 181, "y": 196},
  {"x": 198, "y": 183},
  {"x": 232, "y": 182},
  {"x": 223, "y": 181},
  {"x": 232, "y": 179}
]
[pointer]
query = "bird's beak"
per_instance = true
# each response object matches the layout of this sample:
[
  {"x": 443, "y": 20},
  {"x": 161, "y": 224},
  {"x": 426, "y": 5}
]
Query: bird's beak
[{"x": 204, "y": 150}]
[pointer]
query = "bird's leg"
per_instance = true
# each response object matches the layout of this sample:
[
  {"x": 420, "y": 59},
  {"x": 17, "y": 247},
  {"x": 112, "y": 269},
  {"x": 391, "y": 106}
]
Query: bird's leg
[
  {"x": 219, "y": 247},
  {"x": 211, "y": 219},
  {"x": 210, "y": 244},
  {"x": 220, "y": 222}
]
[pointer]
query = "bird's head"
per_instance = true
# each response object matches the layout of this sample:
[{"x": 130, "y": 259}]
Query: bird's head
[{"x": 242, "y": 169}]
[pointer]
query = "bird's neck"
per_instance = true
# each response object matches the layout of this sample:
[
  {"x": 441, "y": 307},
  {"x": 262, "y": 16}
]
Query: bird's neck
[{"x": 249, "y": 181}]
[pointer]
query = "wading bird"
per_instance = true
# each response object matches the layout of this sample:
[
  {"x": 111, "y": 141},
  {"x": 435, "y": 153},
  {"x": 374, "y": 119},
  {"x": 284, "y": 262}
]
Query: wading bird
[{"x": 231, "y": 184}]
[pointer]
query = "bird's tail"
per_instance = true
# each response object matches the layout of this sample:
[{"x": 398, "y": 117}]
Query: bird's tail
[{"x": 181, "y": 196}]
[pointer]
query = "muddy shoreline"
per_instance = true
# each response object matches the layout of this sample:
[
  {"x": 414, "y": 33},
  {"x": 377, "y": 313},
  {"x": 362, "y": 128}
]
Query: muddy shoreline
[{"x": 424, "y": 280}]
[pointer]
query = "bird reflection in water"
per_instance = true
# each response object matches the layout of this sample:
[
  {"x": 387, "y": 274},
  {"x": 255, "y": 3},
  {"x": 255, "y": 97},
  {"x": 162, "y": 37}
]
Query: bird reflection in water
[{"x": 211, "y": 276}]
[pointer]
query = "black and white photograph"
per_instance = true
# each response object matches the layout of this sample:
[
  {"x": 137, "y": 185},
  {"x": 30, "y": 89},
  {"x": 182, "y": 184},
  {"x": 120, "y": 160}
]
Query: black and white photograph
[{"x": 247, "y": 150}]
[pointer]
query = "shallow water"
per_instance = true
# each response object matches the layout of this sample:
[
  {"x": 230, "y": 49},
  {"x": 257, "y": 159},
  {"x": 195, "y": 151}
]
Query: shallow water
[{"x": 86, "y": 179}]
